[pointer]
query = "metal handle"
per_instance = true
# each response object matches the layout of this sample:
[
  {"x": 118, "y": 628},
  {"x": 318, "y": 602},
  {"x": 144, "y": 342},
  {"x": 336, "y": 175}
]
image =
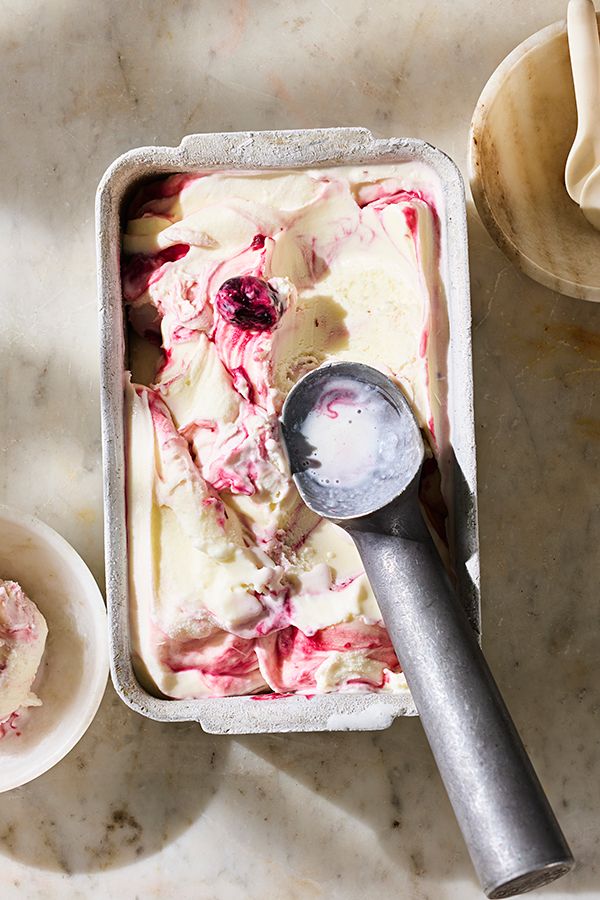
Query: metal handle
[{"x": 510, "y": 830}]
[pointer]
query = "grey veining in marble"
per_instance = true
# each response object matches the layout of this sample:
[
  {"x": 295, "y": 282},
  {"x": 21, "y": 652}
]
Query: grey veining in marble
[{"x": 140, "y": 809}]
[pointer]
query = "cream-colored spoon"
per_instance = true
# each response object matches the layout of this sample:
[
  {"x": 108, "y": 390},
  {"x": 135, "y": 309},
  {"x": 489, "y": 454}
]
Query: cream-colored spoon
[
  {"x": 582, "y": 170},
  {"x": 590, "y": 198}
]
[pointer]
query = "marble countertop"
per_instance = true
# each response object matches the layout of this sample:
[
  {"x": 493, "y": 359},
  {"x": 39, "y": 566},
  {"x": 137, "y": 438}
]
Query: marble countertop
[{"x": 141, "y": 809}]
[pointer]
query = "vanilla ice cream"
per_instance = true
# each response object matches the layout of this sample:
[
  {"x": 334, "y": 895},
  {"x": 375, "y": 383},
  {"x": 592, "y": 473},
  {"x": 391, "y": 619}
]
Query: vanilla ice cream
[
  {"x": 23, "y": 634},
  {"x": 246, "y": 281}
]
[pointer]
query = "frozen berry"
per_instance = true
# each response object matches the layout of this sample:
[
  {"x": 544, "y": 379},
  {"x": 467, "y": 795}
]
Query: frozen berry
[
  {"x": 250, "y": 303},
  {"x": 258, "y": 242}
]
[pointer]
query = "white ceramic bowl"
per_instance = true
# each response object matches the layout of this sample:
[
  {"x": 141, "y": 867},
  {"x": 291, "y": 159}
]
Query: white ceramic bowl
[
  {"x": 74, "y": 670},
  {"x": 521, "y": 133}
]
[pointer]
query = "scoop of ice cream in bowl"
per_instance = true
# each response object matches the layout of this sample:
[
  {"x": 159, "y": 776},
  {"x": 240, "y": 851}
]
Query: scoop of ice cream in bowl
[
  {"x": 53, "y": 648},
  {"x": 23, "y": 633}
]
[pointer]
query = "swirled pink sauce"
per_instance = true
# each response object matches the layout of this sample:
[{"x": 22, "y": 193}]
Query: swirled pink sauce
[
  {"x": 246, "y": 281},
  {"x": 11, "y": 725}
]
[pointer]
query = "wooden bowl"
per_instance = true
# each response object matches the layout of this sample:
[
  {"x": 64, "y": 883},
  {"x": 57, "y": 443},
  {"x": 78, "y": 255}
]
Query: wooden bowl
[{"x": 521, "y": 132}]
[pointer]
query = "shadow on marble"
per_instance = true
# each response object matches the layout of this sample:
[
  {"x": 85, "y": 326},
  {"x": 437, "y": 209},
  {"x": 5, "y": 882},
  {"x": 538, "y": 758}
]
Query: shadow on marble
[
  {"x": 537, "y": 363},
  {"x": 53, "y": 452},
  {"x": 385, "y": 782},
  {"x": 108, "y": 92},
  {"x": 127, "y": 790}
]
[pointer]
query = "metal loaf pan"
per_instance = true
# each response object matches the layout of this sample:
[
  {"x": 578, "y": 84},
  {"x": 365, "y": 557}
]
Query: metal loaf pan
[{"x": 277, "y": 150}]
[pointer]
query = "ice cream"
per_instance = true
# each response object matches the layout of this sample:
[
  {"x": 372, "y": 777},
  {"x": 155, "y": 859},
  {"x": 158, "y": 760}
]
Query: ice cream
[
  {"x": 23, "y": 633},
  {"x": 352, "y": 436},
  {"x": 246, "y": 281}
]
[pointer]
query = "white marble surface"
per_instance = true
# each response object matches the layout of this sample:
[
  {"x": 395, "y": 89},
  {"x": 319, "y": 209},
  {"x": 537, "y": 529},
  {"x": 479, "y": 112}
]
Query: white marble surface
[{"x": 140, "y": 809}]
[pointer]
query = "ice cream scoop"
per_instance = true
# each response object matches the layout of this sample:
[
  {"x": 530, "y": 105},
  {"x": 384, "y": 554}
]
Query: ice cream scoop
[
  {"x": 355, "y": 452},
  {"x": 582, "y": 170}
]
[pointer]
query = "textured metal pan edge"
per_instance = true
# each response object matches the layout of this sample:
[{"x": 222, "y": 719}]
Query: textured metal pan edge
[{"x": 255, "y": 150}]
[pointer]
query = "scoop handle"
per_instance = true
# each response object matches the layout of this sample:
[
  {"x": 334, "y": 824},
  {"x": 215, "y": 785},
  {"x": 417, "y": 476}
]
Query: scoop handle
[
  {"x": 510, "y": 830},
  {"x": 584, "y": 50}
]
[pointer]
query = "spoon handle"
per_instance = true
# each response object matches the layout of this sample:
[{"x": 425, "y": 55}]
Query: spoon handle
[
  {"x": 510, "y": 830},
  {"x": 584, "y": 50}
]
